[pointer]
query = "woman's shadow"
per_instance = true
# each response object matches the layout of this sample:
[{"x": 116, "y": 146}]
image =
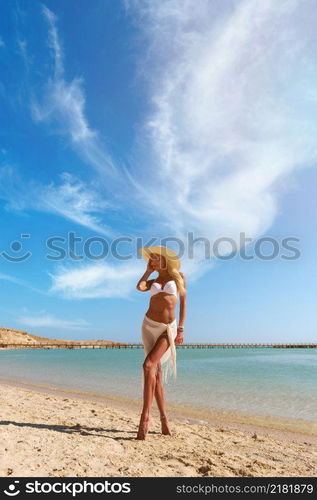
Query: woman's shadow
[{"x": 78, "y": 429}]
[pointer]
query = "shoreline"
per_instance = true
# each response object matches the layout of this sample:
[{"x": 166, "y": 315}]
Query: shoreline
[
  {"x": 107, "y": 344},
  {"x": 53, "y": 433},
  {"x": 299, "y": 430}
]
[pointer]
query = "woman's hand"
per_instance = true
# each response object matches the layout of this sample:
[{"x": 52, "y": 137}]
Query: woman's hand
[
  {"x": 142, "y": 283},
  {"x": 179, "y": 337}
]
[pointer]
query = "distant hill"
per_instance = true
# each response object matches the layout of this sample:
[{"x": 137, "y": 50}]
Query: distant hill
[{"x": 10, "y": 336}]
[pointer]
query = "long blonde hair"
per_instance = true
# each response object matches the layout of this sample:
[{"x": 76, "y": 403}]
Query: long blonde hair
[{"x": 176, "y": 276}]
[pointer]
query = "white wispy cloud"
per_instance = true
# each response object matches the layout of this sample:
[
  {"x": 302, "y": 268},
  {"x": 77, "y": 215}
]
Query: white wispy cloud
[
  {"x": 54, "y": 42},
  {"x": 85, "y": 203},
  {"x": 71, "y": 198},
  {"x": 232, "y": 89},
  {"x": 233, "y": 103},
  {"x": 2, "y": 42},
  {"x": 22, "y": 48},
  {"x": 97, "y": 280},
  {"x": 233, "y": 108},
  {"x": 18, "y": 281},
  {"x": 44, "y": 319},
  {"x": 74, "y": 201},
  {"x": 63, "y": 104}
]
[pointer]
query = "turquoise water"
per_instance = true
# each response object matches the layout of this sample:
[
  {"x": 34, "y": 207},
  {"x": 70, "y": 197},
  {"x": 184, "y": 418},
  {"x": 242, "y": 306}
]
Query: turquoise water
[{"x": 264, "y": 381}]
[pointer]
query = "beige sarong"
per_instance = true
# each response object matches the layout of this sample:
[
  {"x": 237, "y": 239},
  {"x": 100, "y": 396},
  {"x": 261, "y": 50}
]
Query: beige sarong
[{"x": 151, "y": 330}]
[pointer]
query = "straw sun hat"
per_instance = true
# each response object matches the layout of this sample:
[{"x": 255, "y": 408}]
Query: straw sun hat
[{"x": 170, "y": 256}]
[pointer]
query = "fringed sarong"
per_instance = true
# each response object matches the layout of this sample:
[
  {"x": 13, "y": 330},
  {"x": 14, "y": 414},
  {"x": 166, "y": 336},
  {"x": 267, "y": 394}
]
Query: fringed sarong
[{"x": 151, "y": 330}]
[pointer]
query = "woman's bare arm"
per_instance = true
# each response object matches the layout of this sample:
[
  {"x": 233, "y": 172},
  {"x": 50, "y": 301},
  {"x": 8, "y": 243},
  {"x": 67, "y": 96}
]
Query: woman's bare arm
[
  {"x": 182, "y": 313},
  {"x": 144, "y": 284}
]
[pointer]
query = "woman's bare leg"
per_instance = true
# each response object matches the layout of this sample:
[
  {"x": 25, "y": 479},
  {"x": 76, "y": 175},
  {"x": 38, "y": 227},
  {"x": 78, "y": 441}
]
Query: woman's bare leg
[
  {"x": 159, "y": 396},
  {"x": 149, "y": 365}
]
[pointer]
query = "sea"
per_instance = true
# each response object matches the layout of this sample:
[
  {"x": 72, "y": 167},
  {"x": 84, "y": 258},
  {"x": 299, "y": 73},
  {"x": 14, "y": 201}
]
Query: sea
[{"x": 260, "y": 381}]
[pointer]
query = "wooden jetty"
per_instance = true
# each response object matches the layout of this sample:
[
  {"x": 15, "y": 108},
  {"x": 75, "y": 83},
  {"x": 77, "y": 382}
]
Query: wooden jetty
[{"x": 71, "y": 345}]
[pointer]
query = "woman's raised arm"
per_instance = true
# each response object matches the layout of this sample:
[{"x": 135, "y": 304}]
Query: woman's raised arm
[{"x": 144, "y": 284}]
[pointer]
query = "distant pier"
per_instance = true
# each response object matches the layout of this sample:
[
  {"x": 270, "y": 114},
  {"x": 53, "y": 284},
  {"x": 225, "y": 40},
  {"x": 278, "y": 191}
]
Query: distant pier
[{"x": 74, "y": 345}]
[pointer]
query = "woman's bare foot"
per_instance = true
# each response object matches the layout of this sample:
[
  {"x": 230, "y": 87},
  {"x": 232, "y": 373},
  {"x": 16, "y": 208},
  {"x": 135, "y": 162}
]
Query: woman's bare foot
[
  {"x": 143, "y": 427},
  {"x": 165, "y": 428}
]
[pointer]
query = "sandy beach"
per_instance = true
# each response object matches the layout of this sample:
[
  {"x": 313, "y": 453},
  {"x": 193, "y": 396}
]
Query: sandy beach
[{"x": 53, "y": 433}]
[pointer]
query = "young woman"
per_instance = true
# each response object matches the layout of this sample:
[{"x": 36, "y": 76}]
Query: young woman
[{"x": 160, "y": 332}]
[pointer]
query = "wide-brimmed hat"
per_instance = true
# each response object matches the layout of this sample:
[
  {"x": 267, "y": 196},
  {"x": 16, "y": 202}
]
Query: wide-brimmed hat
[{"x": 169, "y": 255}]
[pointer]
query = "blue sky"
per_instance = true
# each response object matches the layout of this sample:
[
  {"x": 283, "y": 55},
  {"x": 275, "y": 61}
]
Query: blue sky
[{"x": 139, "y": 120}]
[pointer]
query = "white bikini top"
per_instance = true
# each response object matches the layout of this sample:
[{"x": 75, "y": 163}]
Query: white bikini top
[{"x": 169, "y": 287}]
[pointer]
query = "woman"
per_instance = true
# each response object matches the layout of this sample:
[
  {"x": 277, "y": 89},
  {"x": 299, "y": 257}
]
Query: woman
[{"x": 160, "y": 332}]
